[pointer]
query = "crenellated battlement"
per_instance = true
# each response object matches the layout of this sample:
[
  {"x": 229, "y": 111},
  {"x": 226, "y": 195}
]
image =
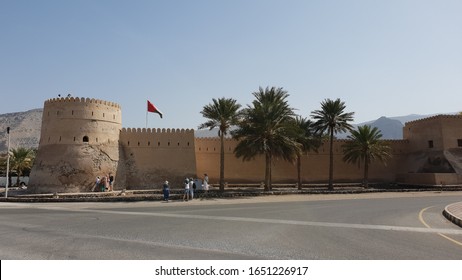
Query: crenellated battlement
[
  {"x": 216, "y": 138},
  {"x": 82, "y": 100},
  {"x": 432, "y": 118},
  {"x": 157, "y": 130}
]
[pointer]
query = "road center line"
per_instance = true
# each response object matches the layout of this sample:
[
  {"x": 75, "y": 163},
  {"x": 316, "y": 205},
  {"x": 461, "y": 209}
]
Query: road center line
[{"x": 439, "y": 233}]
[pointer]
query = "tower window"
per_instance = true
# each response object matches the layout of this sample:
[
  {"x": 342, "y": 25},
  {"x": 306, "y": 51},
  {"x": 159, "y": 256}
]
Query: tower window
[
  {"x": 85, "y": 139},
  {"x": 459, "y": 142},
  {"x": 430, "y": 144}
]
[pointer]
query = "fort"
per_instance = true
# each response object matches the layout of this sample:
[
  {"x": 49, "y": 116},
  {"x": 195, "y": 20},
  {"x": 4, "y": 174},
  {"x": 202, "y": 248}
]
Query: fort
[{"x": 82, "y": 138}]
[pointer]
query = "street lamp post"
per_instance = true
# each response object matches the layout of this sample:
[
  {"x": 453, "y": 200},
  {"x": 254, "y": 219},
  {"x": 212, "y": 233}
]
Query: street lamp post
[{"x": 7, "y": 163}]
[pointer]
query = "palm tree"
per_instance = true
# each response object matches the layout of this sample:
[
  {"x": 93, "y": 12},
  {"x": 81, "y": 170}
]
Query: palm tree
[
  {"x": 365, "y": 146},
  {"x": 304, "y": 134},
  {"x": 332, "y": 119},
  {"x": 3, "y": 163},
  {"x": 264, "y": 130},
  {"x": 21, "y": 161},
  {"x": 222, "y": 113}
]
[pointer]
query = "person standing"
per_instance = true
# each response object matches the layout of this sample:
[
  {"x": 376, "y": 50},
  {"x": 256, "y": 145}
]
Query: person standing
[
  {"x": 191, "y": 188},
  {"x": 186, "y": 189},
  {"x": 98, "y": 180},
  {"x": 103, "y": 183},
  {"x": 206, "y": 183},
  {"x": 166, "y": 190},
  {"x": 111, "y": 182}
]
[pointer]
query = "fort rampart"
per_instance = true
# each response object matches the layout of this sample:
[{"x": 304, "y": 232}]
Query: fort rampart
[
  {"x": 82, "y": 138},
  {"x": 151, "y": 156},
  {"x": 79, "y": 141},
  {"x": 314, "y": 164}
]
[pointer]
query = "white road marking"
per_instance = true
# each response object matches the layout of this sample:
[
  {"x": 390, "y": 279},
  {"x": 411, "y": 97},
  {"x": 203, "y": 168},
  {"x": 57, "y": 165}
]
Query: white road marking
[{"x": 274, "y": 221}]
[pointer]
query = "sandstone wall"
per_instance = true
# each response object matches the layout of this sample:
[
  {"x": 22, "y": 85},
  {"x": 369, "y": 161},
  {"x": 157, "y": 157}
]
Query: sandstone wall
[
  {"x": 435, "y": 147},
  {"x": 83, "y": 138},
  {"x": 79, "y": 141},
  {"x": 443, "y": 131},
  {"x": 315, "y": 165},
  {"x": 151, "y": 156}
]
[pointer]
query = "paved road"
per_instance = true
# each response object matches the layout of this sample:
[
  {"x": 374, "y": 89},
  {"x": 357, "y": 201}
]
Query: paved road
[{"x": 365, "y": 226}]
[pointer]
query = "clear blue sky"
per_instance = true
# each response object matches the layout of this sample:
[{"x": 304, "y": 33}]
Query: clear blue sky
[{"x": 383, "y": 58}]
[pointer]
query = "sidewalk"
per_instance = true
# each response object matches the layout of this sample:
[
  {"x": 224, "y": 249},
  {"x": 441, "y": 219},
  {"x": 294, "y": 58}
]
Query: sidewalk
[{"x": 453, "y": 212}]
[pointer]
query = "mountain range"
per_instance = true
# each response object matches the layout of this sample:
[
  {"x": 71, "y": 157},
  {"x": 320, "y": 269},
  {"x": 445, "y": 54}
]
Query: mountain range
[{"x": 25, "y": 128}]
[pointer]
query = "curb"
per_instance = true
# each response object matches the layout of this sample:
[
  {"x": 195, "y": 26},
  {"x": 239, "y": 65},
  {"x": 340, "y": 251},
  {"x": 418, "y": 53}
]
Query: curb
[
  {"x": 177, "y": 194},
  {"x": 453, "y": 213}
]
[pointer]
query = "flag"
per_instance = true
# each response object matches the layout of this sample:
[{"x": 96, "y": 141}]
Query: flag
[{"x": 153, "y": 109}]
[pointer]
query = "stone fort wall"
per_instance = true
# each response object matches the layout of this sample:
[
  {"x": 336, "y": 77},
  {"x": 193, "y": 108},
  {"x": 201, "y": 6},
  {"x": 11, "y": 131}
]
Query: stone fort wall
[
  {"x": 70, "y": 120},
  {"x": 82, "y": 138},
  {"x": 151, "y": 156},
  {"x": 436, "y": 133},
  {"x": 79, "y": 141},
  {"x": 314, "y": 168},
  {"x": 434, "y": 156}
]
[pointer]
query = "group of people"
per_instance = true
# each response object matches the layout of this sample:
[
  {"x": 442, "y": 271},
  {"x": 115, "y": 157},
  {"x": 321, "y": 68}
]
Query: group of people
[
  {"x": 104, "y": 183},
  {"x": 189, "y": 188}
]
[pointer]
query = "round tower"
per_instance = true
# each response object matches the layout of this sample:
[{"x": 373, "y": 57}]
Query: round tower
[{"x": 79, "y": 141}]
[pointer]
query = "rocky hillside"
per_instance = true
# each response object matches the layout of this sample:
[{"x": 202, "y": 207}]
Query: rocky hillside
[{"x": 24, "y": 129}]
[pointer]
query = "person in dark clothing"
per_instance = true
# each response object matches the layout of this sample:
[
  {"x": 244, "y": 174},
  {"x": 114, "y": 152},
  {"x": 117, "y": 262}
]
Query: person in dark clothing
[
  {"x": 111, "y": 182},
  {"x": 166, "y": 191}
]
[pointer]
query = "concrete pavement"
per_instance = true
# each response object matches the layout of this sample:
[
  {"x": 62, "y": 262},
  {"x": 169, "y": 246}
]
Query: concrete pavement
[{"x": 452, "y": 212}]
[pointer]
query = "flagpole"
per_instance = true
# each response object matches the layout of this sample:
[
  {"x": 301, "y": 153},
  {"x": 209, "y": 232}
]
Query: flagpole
[{"x": 146, "y": 119}]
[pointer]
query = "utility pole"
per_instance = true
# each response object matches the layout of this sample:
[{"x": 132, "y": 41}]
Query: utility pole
[{"x": 7, "y": 163}]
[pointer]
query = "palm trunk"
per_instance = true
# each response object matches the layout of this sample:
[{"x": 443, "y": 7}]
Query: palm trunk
[
  {"x": 17, "y": 179},
  {"x": 268, "y": 172},
  {"x": 366, "y": 175},
  {"x": 299, "y": 167},
  {"x": 222, "y": 162},
  {"x": 331, "y": 161}
]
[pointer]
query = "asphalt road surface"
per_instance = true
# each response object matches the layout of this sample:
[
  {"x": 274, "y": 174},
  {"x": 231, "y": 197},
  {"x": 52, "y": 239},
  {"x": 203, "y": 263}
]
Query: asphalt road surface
[{"x": 313, "y": 227}]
